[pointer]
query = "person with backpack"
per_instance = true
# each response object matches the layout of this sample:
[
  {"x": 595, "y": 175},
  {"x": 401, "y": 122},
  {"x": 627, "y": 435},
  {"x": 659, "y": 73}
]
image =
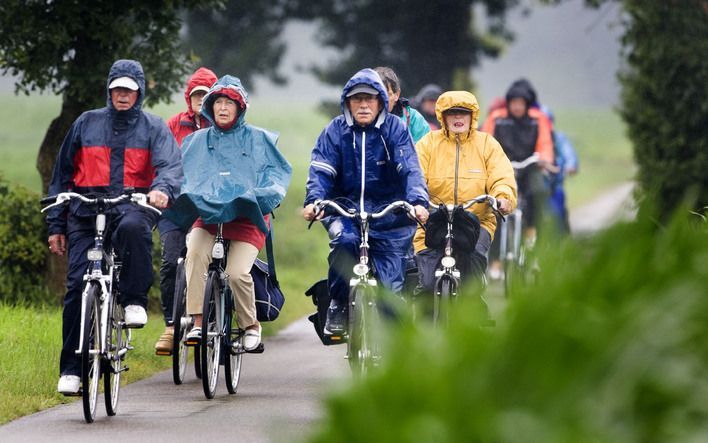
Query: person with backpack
[
  {"x": 235, "y": 176},
  {"x": 460, "y": 163}
]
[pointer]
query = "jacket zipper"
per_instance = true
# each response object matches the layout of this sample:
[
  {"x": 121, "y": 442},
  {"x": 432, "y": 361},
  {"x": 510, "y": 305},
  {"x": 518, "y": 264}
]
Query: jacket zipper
[
  {"x": 457, "y": 162},
  {"x": 363, "y": 170}
]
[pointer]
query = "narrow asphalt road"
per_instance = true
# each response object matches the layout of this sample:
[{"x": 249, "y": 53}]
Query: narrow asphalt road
[
  {"x": 278, "y": 400},
  {"x": 279, "y": 395}
]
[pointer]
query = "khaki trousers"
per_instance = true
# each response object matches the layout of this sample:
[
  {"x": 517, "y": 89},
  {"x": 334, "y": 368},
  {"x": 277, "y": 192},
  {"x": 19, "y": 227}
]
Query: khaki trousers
[{"x": 238, "y": 267}]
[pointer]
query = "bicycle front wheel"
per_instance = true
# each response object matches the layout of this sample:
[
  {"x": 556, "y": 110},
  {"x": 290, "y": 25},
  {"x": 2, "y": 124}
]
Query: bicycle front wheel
[
  {"x": 362, "y": 348},
  {"x": 233, "y": 349},
  {"x": 212, "y": 324},
  {"x": 441, "y": 301},
  {"x": 91, "y": 352},
  {"x": 179, "y": 349},
  {"x": 117, "y": 348}
]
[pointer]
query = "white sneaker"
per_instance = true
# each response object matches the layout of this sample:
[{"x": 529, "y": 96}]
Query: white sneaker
[
  {"x": 252, "y": 338},
  {"x": 69, "y": 384},
  {"x": 135, "y": 316}
]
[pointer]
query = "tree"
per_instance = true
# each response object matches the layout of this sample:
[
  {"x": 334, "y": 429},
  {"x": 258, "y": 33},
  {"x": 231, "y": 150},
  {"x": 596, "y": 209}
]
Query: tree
[
  {"x": 664, "y": 101},
  {"x": 423, "y": 41},
  {"x": 664, "y": 85},
  {"x": 240, "y": 38},
  {"x": 67, "y": 48}
]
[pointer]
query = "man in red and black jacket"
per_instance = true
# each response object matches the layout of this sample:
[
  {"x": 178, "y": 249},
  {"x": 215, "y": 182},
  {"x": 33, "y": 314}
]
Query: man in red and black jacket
[{"x": 106, "y": 152}]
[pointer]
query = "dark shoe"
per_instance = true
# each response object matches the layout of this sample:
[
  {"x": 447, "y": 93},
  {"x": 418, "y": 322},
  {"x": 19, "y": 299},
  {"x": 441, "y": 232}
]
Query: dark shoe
[{"x": 336, "y": 318}]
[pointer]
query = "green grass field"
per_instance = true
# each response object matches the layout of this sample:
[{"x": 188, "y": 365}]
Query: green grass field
[{"x": 28, "y": 369}]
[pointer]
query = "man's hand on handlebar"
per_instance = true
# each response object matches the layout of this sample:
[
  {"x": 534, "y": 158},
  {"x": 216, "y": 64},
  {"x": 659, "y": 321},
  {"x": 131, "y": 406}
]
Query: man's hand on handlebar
[
  {"x": 309, "y": 213},
  {"x": 158, "y": 199},
  {"x": 421, "y": 213}
]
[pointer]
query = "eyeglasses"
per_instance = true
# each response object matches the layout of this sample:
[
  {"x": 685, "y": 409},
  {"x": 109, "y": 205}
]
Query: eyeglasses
[{"x": 358, "y": 98}]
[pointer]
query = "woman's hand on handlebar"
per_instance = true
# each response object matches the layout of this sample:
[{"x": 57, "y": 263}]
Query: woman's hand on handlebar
[{"x": 504, "y": 206}]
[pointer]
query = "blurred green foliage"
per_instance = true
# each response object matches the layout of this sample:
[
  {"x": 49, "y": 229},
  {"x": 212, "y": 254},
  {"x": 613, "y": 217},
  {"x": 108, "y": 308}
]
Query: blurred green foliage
[
  {"x": 611, "y": 345},
  {"x": 23, "y": 247}
]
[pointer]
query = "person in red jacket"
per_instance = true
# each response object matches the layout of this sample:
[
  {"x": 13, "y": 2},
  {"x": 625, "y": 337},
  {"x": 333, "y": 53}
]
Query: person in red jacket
[{"x": 172, "y": 237}]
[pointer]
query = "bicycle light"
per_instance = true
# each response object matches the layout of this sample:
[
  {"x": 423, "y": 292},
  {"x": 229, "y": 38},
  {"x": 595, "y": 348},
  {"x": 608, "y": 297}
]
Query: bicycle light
[
  {"x": 94, "y": 254},
  {"x": 217, "y": 251},
  {"x": 361, "y": 269},
  {"x": 448, "y": 262}
]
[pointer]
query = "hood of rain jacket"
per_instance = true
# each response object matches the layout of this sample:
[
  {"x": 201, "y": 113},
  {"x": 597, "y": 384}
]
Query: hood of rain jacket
[
  {"x": 237, "y": 172},
  {"x": 476, "y": 165},
  {"x": 371, "y": 166},
  {"x": 201, "y": 77}
]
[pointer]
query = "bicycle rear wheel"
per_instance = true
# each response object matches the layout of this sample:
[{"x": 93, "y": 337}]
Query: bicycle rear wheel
[
  {"x": 212, "y": 324},
  {"x": 116, "y": 350},
  {"x": 179, "y": 349},
  {"x": 91, "y": 353},
  {"x": 233, "y": 348}
]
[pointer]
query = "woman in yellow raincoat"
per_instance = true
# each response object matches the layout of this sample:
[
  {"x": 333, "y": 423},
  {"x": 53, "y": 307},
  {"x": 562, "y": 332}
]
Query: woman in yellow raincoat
[{"x": 460, "y": 163}]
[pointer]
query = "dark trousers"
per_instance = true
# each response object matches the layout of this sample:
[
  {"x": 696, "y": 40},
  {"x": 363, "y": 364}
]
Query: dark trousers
[
  {"x": 173, "y": 242},
  {"x": 131, "y": 236},
  {"x": 387, "y": 251}
]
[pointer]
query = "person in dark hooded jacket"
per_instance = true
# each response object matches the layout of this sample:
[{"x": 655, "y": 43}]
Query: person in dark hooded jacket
[
  {"x": 366, "y": 155},
  {"x": 524, "y": 132},
  {"x": 172, "y": 237},
  {"x": 106, "y": 152}
]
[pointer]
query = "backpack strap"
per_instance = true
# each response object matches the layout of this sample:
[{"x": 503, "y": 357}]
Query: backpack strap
[{"x": 270, "y": 256}]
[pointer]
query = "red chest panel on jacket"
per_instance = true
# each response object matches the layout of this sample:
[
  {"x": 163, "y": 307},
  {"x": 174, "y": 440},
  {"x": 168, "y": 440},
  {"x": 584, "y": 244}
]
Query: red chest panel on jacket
[
  {"x": 137, "y": 168},
  {"x": 92, "y": 166}
]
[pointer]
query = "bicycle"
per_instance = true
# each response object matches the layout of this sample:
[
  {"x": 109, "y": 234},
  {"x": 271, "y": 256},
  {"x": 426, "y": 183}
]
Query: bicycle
[
  {"x": 104, "y": 339},
  {"x": 447, "y": 275},
  {"x": 513, "y": 251},
  {"x": 363, "y": 346},
  {"x": 220, "y": 343},
  {"x": 182, "y": 323}
]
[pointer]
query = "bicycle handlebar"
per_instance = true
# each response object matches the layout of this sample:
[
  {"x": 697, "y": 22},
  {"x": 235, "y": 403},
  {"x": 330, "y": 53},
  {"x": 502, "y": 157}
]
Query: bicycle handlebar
[
  {"x": 353, "y": 213},
  {"x": 526, "y": 162},
  {"x": 63, "y": 197},
  {"x": 493, "y": 204}
]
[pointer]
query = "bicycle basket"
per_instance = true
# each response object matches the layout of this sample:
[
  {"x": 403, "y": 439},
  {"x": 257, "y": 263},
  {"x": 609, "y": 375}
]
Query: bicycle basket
[{"x": 465, "y": 230}]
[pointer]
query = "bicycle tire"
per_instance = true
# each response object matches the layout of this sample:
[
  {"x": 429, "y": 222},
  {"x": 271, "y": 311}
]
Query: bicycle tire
[
  {"x": 441, "y": 301},
  {"x": 362, "y": 347},
  {"x": 232, "y": 354},
  {"x": 180, "y": 352},
  {"x": 90, "y": 353},
  {"x": 197, "y": 362},
  {"x": 212, "y": 323},
  {"x": 113, "y": 366}
]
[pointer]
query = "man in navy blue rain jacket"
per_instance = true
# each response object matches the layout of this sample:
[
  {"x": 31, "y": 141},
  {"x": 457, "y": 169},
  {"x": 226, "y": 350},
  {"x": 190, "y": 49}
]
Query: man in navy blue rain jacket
[
  {"x": 366, "y": 155},
  {"x": 106, "y": 152}
]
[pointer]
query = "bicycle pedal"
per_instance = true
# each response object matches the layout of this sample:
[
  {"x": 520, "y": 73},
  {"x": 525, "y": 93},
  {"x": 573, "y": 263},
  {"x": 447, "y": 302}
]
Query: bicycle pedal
[
  {"x": 165, "y": 353},
  {"x": 258, "y": 350},
  {"x": 192, "y": 342},
  {"x": 73, "y": 394}
]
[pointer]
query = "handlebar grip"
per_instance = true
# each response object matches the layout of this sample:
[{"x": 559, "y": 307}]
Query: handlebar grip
[{"x": 47, "y": 200}]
